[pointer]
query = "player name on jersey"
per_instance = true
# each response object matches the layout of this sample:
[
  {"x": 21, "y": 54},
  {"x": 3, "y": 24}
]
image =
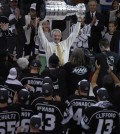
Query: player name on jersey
[
  {"x": 45, "y": 109},
  {"x": 105, "y": 115},
  {"x": 83, "y": 103},
  {"x": 8, "y": 116},
  {"x": 25, "y": 114},
  {"x": 35, "y": 82}
]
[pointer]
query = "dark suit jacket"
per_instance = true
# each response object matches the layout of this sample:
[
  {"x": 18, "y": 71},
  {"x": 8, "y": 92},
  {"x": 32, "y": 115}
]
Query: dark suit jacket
[
  {"x": 114, "y": 44},
  {"x": 3, "y": 38},
  {"x": 18, "y": 24},
  {"x": 95, "y": 31},
  {"x": 3, "y": 41}
]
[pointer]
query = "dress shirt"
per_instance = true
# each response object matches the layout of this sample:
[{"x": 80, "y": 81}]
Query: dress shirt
[{"x": 51, "y": 47}]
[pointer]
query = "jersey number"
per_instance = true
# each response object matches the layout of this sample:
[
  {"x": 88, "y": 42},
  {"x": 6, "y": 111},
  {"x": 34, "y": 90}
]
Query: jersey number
[
  {"x": 10, "y": 127},
  {"x": 108, "y": 123},
  {"x": 77, "y": 116},
  {"x": 48, "y": 122},
  {"x": 25, "y": 125}
]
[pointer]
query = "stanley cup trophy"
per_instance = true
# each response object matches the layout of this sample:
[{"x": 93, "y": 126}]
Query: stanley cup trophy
[{"x": 58, "y": 10}]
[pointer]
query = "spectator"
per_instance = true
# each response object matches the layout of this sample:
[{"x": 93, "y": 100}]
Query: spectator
[
  {"x": 4, "y": 32},
  {"x": 115, "y": 5},
  {"x": 112, "y": 26},
  {"x": 16, "y": 21},
  {"x": 115, "y": 42},
  {"x": 114, "y": 13},
  {"x": 25, "y": 5},
  {"x": 96, "y": 20},
  {"x": 47, "y": 31},
  {"x": 60, "y": 48},
  {"x": 82, "y": 38},
  {"x": 30, "y": 30}
]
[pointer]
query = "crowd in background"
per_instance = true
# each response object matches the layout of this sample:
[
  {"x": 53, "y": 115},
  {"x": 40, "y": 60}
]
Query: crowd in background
[{"x": 61, "y": 76}]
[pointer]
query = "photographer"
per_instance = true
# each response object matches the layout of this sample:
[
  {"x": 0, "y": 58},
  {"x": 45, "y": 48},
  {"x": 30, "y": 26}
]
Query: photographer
[{"x": 107, "y": 58}]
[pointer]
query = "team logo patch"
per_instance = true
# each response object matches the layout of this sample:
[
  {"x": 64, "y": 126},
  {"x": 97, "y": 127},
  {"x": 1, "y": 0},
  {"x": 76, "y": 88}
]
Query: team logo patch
[{"x": 81, "y": 70}]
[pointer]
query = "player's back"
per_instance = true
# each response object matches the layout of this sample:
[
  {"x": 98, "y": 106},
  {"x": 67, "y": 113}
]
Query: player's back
[
  {"x": 101, "y": 118},
  {"x": 51, "y": 113},
  {"x": 9, "y": 119},
  {"x": 11, "y": 88},
  {"x": 58, "y": 76},
  {"x": 25, "y": 115},
  {"x": 34, "y": 80},
  {"x": 76, "y": 104}
]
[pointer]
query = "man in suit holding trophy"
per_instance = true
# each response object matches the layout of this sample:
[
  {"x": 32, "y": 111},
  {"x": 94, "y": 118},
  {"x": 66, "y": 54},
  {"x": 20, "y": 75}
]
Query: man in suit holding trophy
[{"x": 59, "y": 10}]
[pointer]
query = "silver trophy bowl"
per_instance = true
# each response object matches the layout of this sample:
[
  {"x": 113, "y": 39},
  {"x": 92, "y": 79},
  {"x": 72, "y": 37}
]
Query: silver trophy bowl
[{"x": 58, "y": 10}]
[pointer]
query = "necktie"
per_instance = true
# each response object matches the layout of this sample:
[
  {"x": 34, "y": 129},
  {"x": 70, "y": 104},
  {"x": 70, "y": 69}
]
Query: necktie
[
  {"x": 14, "y": 11},
  {"x": 59, "y": 54},
  {"x": 92, "y": 15}
]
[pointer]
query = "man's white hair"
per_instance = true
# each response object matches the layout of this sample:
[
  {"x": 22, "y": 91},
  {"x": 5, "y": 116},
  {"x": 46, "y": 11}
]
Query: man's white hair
[
  {"x": 55, "y": 30},
  {"x": 22, "y": 63}
]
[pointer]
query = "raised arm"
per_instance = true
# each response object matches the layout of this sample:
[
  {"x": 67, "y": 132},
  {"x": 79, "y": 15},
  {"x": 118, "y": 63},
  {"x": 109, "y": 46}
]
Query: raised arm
[
  {"x": 95, "y": 76},
  {"x": 74, "y": 34},
  {"x": 45, "y": 43}
]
